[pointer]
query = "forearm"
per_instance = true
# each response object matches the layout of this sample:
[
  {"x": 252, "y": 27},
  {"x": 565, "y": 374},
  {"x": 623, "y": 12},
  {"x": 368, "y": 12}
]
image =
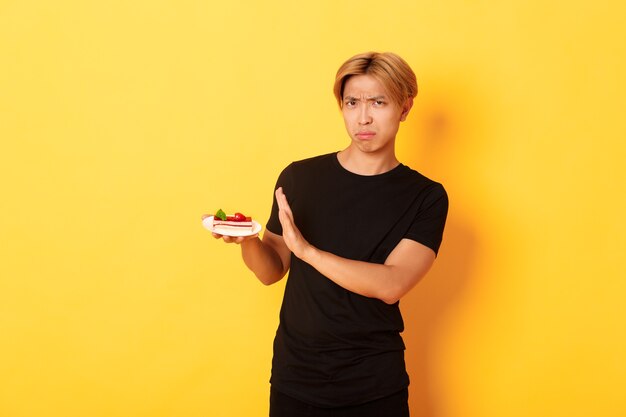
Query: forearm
[
  {"x": 263, "y": 260},
  {"x": 407, "y": 263},
  {"x": 364, "y": 278}
]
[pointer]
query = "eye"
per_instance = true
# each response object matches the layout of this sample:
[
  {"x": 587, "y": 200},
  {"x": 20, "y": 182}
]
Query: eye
[
  {"x": 379, "y": 103},
  {"x": 350, "y": 103}
]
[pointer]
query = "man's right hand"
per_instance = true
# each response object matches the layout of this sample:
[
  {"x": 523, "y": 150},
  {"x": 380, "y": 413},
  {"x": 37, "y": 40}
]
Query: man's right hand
[
  {"x": 269, "y": 258},
  {"x": 230, "y": 239}
]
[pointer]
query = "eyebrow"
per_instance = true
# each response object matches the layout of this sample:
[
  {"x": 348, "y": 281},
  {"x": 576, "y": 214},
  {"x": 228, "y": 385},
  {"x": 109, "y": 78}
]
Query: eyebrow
[{"x": 372, "y": 98}]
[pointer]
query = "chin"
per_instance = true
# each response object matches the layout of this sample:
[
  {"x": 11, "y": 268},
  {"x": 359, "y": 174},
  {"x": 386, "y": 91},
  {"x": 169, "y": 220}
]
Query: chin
[{"x": 369, "y": 148}]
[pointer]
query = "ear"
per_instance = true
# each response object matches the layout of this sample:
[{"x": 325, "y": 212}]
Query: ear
[{"x": 406, "y": 108}]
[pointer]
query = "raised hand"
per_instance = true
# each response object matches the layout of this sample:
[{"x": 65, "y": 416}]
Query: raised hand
[{"x": 291, "y": 234}]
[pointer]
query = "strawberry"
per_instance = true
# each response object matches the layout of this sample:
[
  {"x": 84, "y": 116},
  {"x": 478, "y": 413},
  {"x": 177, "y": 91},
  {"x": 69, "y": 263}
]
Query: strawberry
[{"x": 237, "y": 217}]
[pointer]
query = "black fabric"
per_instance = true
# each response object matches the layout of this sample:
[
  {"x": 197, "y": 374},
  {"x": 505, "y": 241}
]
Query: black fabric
[
  {"x": 395, "y": 405},
  {"x": 334, "y": 347}
]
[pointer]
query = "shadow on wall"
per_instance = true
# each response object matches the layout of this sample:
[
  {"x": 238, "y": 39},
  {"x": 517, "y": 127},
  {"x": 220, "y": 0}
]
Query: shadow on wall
[
  {"x": 423, "y": 310},
  {"x": 439, "y": 133}
]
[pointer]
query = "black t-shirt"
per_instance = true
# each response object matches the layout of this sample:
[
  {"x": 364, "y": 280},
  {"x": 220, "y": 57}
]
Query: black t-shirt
[{"x": 334, "y": 347}]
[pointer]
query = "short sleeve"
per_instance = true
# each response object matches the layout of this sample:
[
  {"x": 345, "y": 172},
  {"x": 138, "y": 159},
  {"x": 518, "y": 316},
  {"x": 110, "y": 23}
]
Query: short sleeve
[
  {"x": 285, "y": 180},
  {"x": 430, "y": 220}
]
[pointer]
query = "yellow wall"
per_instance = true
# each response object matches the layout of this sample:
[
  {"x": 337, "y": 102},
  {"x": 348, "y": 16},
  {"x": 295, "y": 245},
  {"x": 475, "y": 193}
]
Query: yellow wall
[{"x": 118, "y": 125}]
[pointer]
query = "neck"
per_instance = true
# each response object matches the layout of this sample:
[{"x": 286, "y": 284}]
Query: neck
[{"x": 367, "y": 163}]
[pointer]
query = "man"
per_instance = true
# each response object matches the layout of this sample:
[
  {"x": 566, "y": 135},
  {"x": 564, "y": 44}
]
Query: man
[{"x": 356, "y": 230}]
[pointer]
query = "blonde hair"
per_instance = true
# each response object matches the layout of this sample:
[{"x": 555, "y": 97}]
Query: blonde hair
[{"x": 388, "y": 68}]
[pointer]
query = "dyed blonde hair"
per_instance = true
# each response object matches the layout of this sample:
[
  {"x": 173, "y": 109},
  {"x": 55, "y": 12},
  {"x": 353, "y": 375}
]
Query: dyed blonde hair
[{"x": 389, "y": 69}]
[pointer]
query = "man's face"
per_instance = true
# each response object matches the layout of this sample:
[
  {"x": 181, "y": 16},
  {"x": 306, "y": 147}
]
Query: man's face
[{"x": 371, "y": 118}]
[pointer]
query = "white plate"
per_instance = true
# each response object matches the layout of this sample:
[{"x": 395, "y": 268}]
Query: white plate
[{"x": 256, "y": 228}]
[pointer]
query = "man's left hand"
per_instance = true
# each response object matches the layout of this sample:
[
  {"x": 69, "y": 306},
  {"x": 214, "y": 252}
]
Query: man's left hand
[{"x": 291, "y": 234}]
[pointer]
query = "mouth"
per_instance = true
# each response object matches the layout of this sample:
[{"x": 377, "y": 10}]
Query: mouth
[{"x": 365, "y": 135}]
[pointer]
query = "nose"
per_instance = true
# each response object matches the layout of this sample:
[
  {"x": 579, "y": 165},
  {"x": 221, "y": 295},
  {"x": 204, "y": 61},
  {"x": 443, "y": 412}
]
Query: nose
[{"x": 364, "y": 116}]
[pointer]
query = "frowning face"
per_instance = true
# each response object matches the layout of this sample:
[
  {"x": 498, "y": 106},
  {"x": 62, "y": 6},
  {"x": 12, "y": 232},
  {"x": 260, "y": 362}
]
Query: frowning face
[{"x": 372, "y": 119}]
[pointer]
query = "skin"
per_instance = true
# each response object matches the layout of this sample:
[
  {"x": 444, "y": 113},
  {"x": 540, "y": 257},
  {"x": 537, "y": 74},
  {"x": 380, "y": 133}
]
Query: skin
[{"x": 372, "y": 121}]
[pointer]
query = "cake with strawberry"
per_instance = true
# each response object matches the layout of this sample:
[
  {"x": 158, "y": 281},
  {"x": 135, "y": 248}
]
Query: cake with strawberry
[{"x": 225, "y": 223}]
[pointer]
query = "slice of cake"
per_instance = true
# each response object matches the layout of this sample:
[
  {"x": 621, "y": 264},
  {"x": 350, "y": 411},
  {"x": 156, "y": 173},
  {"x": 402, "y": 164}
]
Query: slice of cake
[{"x": 225, "y": 224}]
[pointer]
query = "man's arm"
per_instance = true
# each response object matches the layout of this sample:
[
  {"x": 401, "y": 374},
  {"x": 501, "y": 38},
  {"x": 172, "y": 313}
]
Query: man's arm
[
  {"x": 269, "y": 258},
  {"x": 405, "y": 266}
]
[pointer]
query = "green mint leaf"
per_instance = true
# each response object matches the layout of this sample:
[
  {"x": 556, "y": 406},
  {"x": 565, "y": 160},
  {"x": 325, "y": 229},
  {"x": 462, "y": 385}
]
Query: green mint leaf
[{"x": 221, "y": 215}]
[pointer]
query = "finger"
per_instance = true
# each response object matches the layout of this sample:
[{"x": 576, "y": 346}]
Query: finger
[
  {"x": 285, "y": 213},
  {"x": 280, "y": 198},
  {"x": 242, "y": 239},
  {"x": 216, "y": 235},
  {"x": 228, "y": 239},
  {"x": 285, "y": 221},
  {"x": 283, "y": 204},
  {"x": 204, "y": 216}
]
